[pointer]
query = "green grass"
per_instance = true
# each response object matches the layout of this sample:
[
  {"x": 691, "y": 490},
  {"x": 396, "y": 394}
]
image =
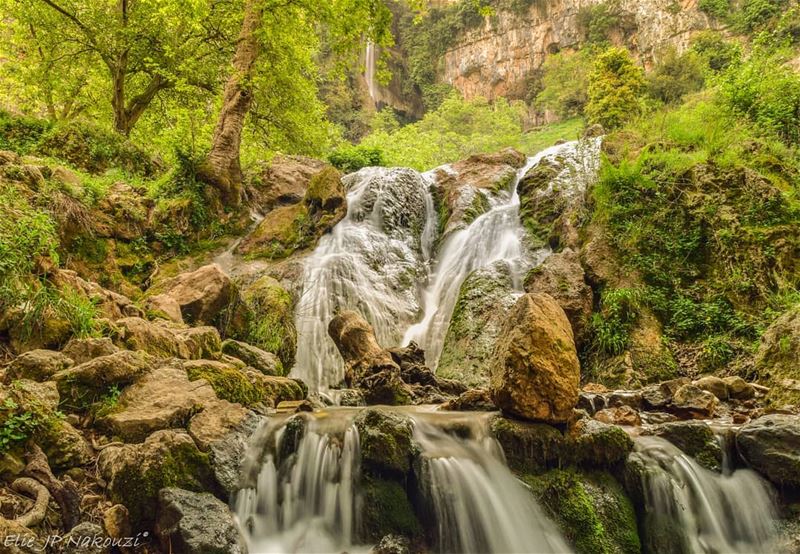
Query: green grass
[{"x": 547, "y": 135}]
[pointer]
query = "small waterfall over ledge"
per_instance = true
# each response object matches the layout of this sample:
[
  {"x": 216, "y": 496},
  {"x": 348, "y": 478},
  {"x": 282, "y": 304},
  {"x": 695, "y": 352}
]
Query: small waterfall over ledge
[
  {"x": 699, "y": 511},
  {"x": 380, "y": 260}
]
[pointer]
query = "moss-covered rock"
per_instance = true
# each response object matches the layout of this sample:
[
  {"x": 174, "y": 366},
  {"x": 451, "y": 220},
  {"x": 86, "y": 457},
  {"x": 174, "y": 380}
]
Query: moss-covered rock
[
  {"x": 597, "y": 444},
  {"x": 244, "y": 386},
  {"x": 386, "y": 445},
  {"x": 387, "y": 510},
  {"x": 778, "y": 358},
  {"x": 271, "y": 319},
  {"x": 591, "y": 509},
  {"x": 484, "y": 300},
  {"x": 696, "y": 439},
  {"x": 529, "y": 447},
  {"x": 136, "y": 473}
]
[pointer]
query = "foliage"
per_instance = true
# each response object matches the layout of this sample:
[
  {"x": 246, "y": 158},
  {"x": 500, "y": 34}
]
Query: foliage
[
  {"x": 598, "y": 20},
  {"x": 565, "y": 82},
  {"x": 754, "y": 13},
  {"x": 716, "y": 8},
  {"x": 19, "y": 423},
  {"x": 675, "y": 76},
  {"x": 615, "y": 88},
  {"x": 767, "y": 91},
  {"x": 349, "y": 158},
  {"x": 21, "y": 134},
  {"x": 715, "y": 52},
  {"x": 611, "y": 325}
]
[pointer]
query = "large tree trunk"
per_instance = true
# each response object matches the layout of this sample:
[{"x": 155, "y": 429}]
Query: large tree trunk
[{"x": 221, "y": 168}]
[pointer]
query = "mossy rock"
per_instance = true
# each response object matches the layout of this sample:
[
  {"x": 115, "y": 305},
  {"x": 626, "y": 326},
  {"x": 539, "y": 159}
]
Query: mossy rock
[
  {"x": 694, "y": 438},
  {"x": 271, "y": 319},
  {"x": 245, "y": 386},
  {"x": 325, "y": 191},
  {"x": 387, "y": 510},
  {"x": 591, "y": 509},
  {"x": 386, "y": 442},
  {"x": 597, "y": 444},
  {"x": 529, "y": 447},
  {"x": 777, "y": 358}
]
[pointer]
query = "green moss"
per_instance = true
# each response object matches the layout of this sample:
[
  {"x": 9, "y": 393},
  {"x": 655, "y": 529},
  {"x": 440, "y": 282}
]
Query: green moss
[
  {"x": 229, "y": 383},
  {"x": 591, "y": 508},
  {"x": 270, "y": 323},
  {"x": 385, "y": 438},
  {"x": 387, "y": 510}
]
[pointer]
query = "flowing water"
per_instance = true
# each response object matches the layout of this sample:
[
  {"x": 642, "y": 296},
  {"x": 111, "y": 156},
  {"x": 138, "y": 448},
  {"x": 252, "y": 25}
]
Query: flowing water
[
  {"x": 369, "y": 70},
  {"x": 700, "y": 511},
  {"x": 386, "y": 261},
  {"x": 308, "y": 501}
]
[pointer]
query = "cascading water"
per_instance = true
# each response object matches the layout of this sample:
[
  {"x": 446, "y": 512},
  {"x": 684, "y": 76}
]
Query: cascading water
[
  {"x": 479, "y": 505},
  {"x": 699, "y": 511},
  {"x": 380, "y": 262},
  {"x": 369, "y": 70},
  {"x": 371, "y": 262}
]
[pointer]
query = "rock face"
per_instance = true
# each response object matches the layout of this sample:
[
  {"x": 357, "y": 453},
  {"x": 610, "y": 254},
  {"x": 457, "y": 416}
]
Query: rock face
[
  {"x": 778, "y": 358},
  {"x": 197, "y": 523},
  {"x": 771, "y": 446},
  {"x": 495, "y": 58},
  {"x": 535, "y": 373},
  {"x": 367, "y": 365},
  {"x": 483, "y": 303},
  {"x": 561, "y": 276},
  {"x": 202, "y": 295}
]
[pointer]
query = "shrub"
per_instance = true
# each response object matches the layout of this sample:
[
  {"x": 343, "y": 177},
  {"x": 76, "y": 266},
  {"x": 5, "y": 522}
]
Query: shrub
[
  {"x": 754, "y": 13},
  {"x": 675, "y": 76},
  {"x": 615, "y": 88},
  {"x": 597, "y": 21},
  {"x": 716, "y": 8},
  {"x": 351, "y": 158},
  {"x": 612, "y": 324},
  {"x": 565, "y": 81},
  {"x": 20, "y": 134},
  {"x": 716, "y": 52}
]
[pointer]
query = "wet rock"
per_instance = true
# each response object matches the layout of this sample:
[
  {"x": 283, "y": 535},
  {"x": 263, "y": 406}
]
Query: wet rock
[
  {"x": 597, "y": 444},
  {"x": 561, "y": 276},
  {"x": 484, "y": 300},
  {"x": 367, "y": 365},
  {"x": 227, "y": 454},
  {"x": 203, "y": 295},
  {"x": 622, "y": 415},
  {"x": 83, "y": 350},
  {"x": 136, "y": 473},
  {"x": 693, "y": 402},
  {"x": 86, "y": 382},
  {"x": 771, "y": 446},
  {"x": 265, "y": 362},
  {"x": 163, "y": 399},
  {"x": 594, "y": 131},
  {"x": 387, "y": 510},
  {"x": 776, "y": 361},
  {"x": 473, "y": 400},
  {"x": 591, "y": 402},
  {"x": 535, "y": 372},
  {"x": 696, "y": 439},
  {"x": 528, "y": 446},
  {"x": 196, "y": 523},
  {"x": 392, "y": 544},
  {"x": 386, "y": 445},
  {"x": 37, "y": 365},
  {"x": 714, "y": 385},
  {"x": 620, "y": 398}
]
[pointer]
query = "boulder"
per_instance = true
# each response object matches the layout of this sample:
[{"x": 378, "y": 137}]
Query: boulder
[
  {"x": 484, "y": 300},
  {"x": 117, "y": 521},
  {"x": 164, "y": 306},
  {"x": 385, "y": 440},
  {"x": 136, "y": 473},
  {"x": 367, "y": 365},
  {"x": 771, "y": 446},
  {"x": 285, "y": 181},
  {"x": 110, "y": 304},
  {"x": 473, "y": 400},
  {"x": 196, "y": 523},
  {"x": 265, "y": 362},
  {"x": 696, "y": 439},
  {"x": 136, "y": 333},
  {"x": 561, "y": 276},
  {"x": 739, "y": 389},
  {"x": 202, "y": 295},
  {"x": 215, "y": 422},
  {"x": 64, "y": 446},
  {"x": 714, "y": 385},
  {"x": 163, "y": 399},
  {"x": 86, "y": 382},
  {"x": 777, "y": 362},
  {"x": 83, "y": 350},
  {"x": 535, "y": 373},
  {"x": 201, "y": 342},
  {"x": 621, "y": 415},
  {"x": 37, "y": 365},
  {"x": 692, "y": 402},
  {"x": 528, "y": 447},
  {"x": 245, "y": 386},
  {"x": 596, "y": 444}
]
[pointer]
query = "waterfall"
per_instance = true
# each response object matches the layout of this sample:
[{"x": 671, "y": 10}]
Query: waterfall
[
  {"x": 479, "y": 505},
  {"x": 308, "y": 502},
  {"x": 369, "y": 70},
  {"x": 710, "y": 512},
  {"x": 371, "y": 262},
  {"x": 380, "y": 260}
]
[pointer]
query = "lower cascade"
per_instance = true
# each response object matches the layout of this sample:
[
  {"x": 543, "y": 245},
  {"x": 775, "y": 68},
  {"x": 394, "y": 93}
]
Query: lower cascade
[{"x": 697, "y": 510}]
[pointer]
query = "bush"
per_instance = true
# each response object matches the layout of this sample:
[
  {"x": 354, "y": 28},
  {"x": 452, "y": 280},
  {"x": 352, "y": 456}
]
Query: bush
[
  {"x": 21, "y": 134},
  {"x": 754, "y": 13},
  {"x": 352, "y": 158},
  {"x": 675, "y": 76},
  {"x": 611, "y": 326},
  {"x": 716, "y": 52},
  {"x": 615, "y": 88},
  {"x": 565, "y": 81},
  {"x": 597, "y": 21},
  {"x": 716, "y": 8}
]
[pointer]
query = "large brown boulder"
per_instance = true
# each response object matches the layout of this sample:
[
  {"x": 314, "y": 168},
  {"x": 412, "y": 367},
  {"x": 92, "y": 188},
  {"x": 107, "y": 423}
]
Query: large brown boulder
[
  {"x": 285, "y": 181},
  {"x": 367, "y": 365},
  {"x": 535, "y": 373},
  {"x": 203, "y": 295},
  {"x": 88, "y": 381},
  {"x": 561, "y": 276},
  {"x": 778, "y": 358}
]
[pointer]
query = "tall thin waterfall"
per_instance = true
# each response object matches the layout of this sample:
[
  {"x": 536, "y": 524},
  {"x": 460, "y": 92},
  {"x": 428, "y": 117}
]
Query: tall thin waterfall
[
  {"x": 699, "y": 511},
  {"x": 371, "y": 262},
  {"x": 369, "y": 70},
  {"x": 479, "y": 505}
]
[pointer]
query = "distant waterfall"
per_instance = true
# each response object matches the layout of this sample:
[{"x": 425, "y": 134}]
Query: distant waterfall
[
  {"x": 700, "y": 511},
  {"x": 380, "y": 259},
  {"x": 369, "y": 70}
]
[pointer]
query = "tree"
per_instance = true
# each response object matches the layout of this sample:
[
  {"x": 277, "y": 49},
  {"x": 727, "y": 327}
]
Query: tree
[
  {"x": 676, "y": 76},
  {"x": 138, "y": 48},
  {"x": 565, "y": 80},
  {"x": 615, "y": 89},
  {"x": 262, "y": 32}
]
